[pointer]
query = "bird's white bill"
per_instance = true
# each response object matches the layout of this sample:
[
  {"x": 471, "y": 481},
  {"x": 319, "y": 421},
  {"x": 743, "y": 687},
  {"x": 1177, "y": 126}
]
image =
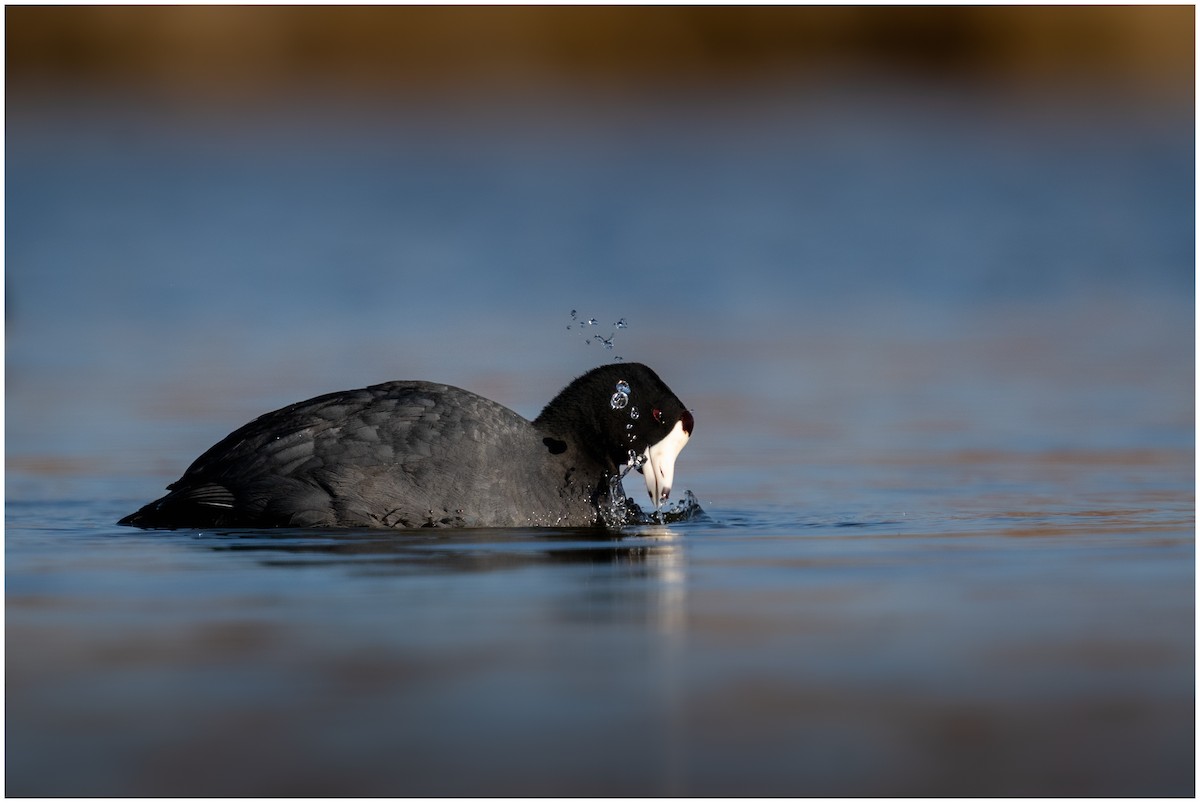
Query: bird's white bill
[{"x": 659, "y": 468}]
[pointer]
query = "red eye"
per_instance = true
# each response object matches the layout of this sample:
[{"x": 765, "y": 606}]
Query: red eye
[{"x": 657, "y": 413}]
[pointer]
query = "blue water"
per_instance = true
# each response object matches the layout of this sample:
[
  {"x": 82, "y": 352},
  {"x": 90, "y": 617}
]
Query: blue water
[{"x": 940, "y": 352}]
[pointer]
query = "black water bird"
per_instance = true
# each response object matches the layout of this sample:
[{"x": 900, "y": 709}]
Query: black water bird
[{"x": 418, "y": 454}]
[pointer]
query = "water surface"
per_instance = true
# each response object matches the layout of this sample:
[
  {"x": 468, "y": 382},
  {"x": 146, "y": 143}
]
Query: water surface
[{"x": 940, "y": 355}]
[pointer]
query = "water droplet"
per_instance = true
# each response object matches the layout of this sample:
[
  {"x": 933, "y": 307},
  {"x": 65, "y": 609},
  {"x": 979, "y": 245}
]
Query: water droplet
[
  {"x": 618, "y": 400},
  {"x": 622, "y": 387},
  {"x": 573, "y": 313},
  {"x": 633, "y": 413},
  {"x": 592, "y": 322},
  {"x": 621, "y": 324},
  {"x": 629, "y": 426}
]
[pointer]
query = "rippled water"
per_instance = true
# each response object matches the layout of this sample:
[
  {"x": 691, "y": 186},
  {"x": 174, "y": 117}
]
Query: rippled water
[{"x": 941, "y": 365}]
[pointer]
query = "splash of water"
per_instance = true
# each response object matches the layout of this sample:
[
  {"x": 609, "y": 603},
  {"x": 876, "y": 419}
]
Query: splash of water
[
  {"x": 583, "y": 323},
  {"x": 686, "y": 508},
  {"x": 616, "y": 510},
  {"x": 620, "y": 511}
]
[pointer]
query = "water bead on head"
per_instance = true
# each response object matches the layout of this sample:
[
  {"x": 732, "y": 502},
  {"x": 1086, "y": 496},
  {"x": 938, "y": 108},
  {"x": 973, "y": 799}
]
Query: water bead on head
[{"x": 621, "y": 397}]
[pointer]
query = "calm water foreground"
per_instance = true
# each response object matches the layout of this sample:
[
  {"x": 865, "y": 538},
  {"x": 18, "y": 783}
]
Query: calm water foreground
[
  {"x": 944, "y": 621},
  {"x": 944, "y": 445},
  {"x": 1032, "y": 648}
]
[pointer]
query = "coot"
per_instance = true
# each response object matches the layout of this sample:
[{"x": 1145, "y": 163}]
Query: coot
[{"x": 418, "y": 454}]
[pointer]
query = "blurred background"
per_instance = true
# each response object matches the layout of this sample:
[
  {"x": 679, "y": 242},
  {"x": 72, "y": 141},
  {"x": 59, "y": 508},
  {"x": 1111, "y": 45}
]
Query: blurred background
[
  {"x": 856, "y": 225},
  {"x": 229, "y": 54}
]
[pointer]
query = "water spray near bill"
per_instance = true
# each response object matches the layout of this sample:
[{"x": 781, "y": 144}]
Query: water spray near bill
[{"x": 655, "y": 461}]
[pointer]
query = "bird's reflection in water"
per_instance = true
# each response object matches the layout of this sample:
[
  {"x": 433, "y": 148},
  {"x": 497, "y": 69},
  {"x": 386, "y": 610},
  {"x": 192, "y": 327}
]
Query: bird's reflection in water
[
  {"x": 451, "y": 551},
  {"x": 618, "y": 598},
  {"x": 639, "y": 572}
]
